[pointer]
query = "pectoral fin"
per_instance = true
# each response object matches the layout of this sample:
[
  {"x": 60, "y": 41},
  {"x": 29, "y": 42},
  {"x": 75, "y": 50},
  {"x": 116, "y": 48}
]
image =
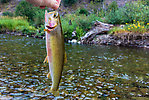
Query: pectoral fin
[
  {"x": 65, "y": 58},
  {"x": 48, "y": 76},
  {"x": 46, "y": 60}
]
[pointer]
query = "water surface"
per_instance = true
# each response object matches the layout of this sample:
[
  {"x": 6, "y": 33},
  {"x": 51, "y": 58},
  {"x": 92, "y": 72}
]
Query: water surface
[{"x": 91, "y": 71}]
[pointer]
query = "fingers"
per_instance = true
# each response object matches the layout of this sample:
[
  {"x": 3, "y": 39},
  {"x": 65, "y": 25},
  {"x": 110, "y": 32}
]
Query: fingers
[
  {"x": 35, "y": 2},
  {"x": 43, "y": 3},
  {"x": 52, "y": 3}
]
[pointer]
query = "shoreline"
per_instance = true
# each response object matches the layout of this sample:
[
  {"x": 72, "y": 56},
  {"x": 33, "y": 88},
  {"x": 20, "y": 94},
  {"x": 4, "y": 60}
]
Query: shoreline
[
  {"x": 125, "y": 41},
  {"x": 104, "y": 39}
]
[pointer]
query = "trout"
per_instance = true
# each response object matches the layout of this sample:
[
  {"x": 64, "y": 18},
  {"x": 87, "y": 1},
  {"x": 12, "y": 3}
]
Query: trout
[{"x": 55, "y": 49}]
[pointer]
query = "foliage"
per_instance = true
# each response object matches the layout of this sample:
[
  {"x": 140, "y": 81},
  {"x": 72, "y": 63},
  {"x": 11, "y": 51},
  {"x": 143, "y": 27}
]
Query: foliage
[
  {"x": 133, "y": 28},
  {"x": 40, "y": 31},
  {"x": 128, "y": 13},
  {"x": 145, "y": 2},
  {"x": 113, "y": 6},
  {"x": 117, "y": 30},
  {"x": 4, "y": 1},
  {"x": 69, "y": 2},
  {"x": 16, "y": 24},
  {"x": 7, "y": 13},
  {"x": 83, "y": 11},
  {"x": 136, "y": 27},
  {"x": 39, "y": 17},
  {"x": 95, "y": 1},
  {"x": 79, "y": 23},
  {"x": 35, "y": 15},
  {"x": 25, "y": 9}
]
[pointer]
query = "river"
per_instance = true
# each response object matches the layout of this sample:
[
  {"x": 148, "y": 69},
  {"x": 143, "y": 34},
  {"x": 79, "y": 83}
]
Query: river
[{"x": 91, "y": 72}]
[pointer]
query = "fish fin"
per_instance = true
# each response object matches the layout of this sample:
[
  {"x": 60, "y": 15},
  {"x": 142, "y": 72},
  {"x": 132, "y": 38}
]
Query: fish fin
[
  {"x": 65, "y": 58},
  {"x": 46, "y": 60},
  {"x": 48, "y": 76},
  {"x": 55, "y": 93}
]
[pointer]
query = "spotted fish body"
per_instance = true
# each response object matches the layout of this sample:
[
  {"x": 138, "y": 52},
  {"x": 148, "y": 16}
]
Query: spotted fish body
[{"x": 55, "y": 48}]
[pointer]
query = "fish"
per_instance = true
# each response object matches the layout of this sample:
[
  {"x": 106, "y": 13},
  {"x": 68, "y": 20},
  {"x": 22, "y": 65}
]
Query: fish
[{"x": 55, "y": 48}]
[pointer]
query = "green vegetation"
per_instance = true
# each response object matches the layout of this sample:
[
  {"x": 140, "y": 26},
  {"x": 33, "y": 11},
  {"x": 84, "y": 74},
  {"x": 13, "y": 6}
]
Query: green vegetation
[
  {"x": 79, "y": 23},
  {"x": 69, "y": 2},
  {"x": 134, "y": 28},
  {"x": 35, "y": 15},
  {"x": 4, "y": 1},
  {"x": 128, "y": 13},
  {"x": 16, "y": 24},
  {"x": 7, "y": 13},
  {"x": 83, "y": 18}
]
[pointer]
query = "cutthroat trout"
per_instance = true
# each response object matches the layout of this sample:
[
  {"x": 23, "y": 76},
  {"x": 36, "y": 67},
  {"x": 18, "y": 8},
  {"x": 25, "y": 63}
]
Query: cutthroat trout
[{"x": 55, "y": 48}]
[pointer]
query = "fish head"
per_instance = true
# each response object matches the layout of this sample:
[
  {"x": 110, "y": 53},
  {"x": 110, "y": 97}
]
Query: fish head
[{"x": 51, "y": 20}]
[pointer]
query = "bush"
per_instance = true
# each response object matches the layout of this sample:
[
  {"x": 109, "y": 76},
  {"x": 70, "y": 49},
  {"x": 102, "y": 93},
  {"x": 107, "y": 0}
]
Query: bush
[
  {"x": 4, "y": 1},
  {"x": 113, "y": 6},
  {"x": 39, "y": 17},
  {"x": 35, "y": 15},
  {"x": 7, "y": 13},
  {"x": 83, "y": 11},
  {"x": 79, "y": 23},
  {"x": 25, "y": 9},
  {"x": 40, "y": 31},
  {"x": 69, "y": 2},
  {"x": 128, "y": 13},
  {"x": 145, "y": 2}
]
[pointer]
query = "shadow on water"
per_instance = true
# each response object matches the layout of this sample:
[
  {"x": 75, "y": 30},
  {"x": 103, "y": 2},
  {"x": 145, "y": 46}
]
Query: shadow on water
[{"x": 91, "y": 71}]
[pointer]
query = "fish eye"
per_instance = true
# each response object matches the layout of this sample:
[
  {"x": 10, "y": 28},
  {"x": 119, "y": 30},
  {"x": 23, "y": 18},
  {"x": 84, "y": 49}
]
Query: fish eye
[{"x": 55, "y": 15}]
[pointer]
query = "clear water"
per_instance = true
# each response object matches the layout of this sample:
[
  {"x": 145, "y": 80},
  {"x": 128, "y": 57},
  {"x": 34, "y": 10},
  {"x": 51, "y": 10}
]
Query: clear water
[{"x": 92, "y": 72}]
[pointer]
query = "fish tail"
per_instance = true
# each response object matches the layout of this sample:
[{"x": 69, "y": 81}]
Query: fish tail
[{"x": 55, "y": 93}]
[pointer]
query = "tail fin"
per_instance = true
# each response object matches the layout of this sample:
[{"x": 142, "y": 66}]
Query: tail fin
[
  {"x": 46, "y": 60},
  {"x": 55, "y": 93}
]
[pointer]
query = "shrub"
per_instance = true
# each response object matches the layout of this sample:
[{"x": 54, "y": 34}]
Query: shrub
[
  {"x": 113, "y": 6},
  {"x": 35, "y": 15},
  {"x": 69, "y": 2},
  {"x": 7, "y": 13},
  {"x": 83, "y": 11},
  {"x": 145, "y": 2},
  {"x": 39, "y": 17},
  {"x": 25, "y": 9},
  {"x": 128, "y": 13},
  {"x": 79, "y": 23},
  {"x": 40, "y": 31},
  {"x": 4, "y": 1}
]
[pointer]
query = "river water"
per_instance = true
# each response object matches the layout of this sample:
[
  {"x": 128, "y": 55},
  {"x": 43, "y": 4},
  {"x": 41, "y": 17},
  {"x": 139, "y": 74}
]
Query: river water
[{"x": 91, "y": 72}]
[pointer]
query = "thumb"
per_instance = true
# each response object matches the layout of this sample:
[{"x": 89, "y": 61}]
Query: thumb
[{"x": 53, "y": 4}]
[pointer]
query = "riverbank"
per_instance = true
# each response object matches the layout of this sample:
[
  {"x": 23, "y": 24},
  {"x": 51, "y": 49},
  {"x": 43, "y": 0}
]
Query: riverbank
[
  {"x": 22, "y": 34},
  {"x": 133, "y": 41},
  {"x": 141, "y": 41}
]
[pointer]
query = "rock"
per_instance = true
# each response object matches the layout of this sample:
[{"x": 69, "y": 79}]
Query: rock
[
  {"x": 99, "y": 28},
  {"x": 72, "y": 41}
]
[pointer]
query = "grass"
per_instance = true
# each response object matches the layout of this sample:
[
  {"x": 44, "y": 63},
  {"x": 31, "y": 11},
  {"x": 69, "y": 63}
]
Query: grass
[{"x": 16, "y": 24}]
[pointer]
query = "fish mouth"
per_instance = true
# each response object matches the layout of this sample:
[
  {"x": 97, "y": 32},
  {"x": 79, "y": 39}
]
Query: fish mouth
[{"x": 51, "y": 28}]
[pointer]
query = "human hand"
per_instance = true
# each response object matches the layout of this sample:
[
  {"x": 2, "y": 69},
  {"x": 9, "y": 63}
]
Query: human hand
[{"x": 46, "y": 3}]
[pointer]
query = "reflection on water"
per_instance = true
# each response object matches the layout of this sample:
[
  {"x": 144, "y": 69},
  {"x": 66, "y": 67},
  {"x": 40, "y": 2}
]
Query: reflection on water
[{"x": 91, "y": 71}]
